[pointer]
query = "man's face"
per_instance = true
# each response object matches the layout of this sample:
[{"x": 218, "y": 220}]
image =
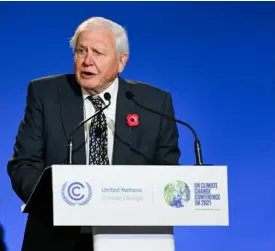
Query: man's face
[{"x": 96, "y": 61}]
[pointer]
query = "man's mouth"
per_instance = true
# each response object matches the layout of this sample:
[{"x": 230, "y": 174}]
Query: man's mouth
[{"x": 87, "y": 74}]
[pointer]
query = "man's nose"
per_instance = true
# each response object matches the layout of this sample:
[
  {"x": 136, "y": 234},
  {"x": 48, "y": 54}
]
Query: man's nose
[{"x": 88, "y": 60}]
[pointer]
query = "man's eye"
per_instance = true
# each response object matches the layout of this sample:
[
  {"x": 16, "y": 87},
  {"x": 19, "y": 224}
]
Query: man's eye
[
  {"x": 97, "y": 53},
  {"x": 80, "y": 51}
]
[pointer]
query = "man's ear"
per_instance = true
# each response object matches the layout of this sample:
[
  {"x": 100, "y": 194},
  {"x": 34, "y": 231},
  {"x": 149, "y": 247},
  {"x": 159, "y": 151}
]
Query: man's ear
[{"x": 122, "y": 60}]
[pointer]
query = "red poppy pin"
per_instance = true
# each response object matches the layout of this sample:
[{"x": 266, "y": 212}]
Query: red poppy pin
[{"x": 132, "y": 120}]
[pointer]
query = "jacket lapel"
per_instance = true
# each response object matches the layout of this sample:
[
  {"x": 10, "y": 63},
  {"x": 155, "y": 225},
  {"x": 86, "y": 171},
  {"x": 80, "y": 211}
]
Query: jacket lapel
[
  {"x": 72, "y": 114},
  {"x": 125, "y": 136}
]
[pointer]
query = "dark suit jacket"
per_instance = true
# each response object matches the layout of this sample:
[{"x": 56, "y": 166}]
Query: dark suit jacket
[
  {"x": 54, "y": 107},
  {"x": 2, "y": 242}
]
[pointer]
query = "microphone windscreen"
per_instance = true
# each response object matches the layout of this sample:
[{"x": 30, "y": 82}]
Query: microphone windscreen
[
  {"x": 107, "y": 96},
  {"x": 129, "y": 95}
]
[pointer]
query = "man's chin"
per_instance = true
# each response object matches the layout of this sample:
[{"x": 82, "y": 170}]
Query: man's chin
[{"x": 90, "y": 85}]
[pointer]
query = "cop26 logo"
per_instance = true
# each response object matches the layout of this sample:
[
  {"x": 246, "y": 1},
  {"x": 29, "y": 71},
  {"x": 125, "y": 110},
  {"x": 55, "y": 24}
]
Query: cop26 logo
[
  {"x": 76, "y": 193},
  {"x": 177, "y": 194}
]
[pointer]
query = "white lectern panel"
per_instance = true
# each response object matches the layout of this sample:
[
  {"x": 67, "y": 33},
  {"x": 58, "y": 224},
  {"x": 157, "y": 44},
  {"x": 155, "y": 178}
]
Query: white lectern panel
[
  {"x": 140, "y": 195},
  {"x": 134, "y": 243}
]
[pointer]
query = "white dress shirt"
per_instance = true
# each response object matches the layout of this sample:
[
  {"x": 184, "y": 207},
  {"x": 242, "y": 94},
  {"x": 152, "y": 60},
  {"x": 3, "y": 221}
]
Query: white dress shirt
[{"x": 110, "y": 114}]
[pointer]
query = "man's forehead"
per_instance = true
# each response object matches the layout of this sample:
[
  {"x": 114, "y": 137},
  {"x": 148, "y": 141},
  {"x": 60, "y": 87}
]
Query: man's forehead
[{"x": 91, "y": 37}]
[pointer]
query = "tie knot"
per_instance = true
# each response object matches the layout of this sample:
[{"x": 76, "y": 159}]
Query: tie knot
[{"x": 97, "y": 102}]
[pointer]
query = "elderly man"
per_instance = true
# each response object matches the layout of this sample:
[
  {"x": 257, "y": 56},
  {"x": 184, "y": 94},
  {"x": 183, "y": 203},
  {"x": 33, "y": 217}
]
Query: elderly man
[{"x": 56, "y": 104}]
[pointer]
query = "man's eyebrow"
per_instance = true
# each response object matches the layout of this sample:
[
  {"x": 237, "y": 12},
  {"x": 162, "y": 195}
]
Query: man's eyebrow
[
  {"x": 80, "y": 45},
  {"x": 95, "y": 48}
]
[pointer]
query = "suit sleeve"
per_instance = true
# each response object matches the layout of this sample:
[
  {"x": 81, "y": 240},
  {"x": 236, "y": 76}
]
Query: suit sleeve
[
  {"x": 167, "y": 151},
  {"x": 26, "y": 164}
]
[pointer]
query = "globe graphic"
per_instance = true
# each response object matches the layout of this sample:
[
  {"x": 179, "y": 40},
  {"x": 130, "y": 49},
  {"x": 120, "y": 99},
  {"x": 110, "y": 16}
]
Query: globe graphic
[{"x": 176, "y": 194}]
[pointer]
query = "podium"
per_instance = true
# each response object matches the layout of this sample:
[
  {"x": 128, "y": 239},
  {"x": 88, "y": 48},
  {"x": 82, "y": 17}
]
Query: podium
[{"x": 137, "y": 196}]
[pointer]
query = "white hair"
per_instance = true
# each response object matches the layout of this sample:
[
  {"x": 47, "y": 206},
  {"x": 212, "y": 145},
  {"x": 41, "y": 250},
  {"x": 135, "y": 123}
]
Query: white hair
[{"x": 119, "y": 32}]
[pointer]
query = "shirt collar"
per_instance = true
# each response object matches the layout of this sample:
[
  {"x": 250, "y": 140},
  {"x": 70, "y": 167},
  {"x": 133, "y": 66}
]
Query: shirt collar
[{"x": 112, "y": 89}]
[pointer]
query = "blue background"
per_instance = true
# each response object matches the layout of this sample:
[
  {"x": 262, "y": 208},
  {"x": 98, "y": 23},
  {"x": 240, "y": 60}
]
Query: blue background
[{"x": 217, "y": 60}]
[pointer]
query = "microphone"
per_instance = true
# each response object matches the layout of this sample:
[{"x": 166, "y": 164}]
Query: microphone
[
  {"x": 129, "y": 95},
  {"x": 107, "y": 96}
]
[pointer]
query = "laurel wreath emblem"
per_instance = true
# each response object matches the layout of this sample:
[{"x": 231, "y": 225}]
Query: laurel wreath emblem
[{"x": 63, "y": 193}]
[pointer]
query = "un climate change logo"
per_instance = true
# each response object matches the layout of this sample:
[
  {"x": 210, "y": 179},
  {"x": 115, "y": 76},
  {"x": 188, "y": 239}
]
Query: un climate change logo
[
  {"x": 176, "y": 194},
  {"x": 76, "y": 193}
]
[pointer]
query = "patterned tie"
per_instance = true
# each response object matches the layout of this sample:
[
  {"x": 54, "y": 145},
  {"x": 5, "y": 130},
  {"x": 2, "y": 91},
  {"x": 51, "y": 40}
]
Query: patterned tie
[{"x": 98, "y": 136}]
